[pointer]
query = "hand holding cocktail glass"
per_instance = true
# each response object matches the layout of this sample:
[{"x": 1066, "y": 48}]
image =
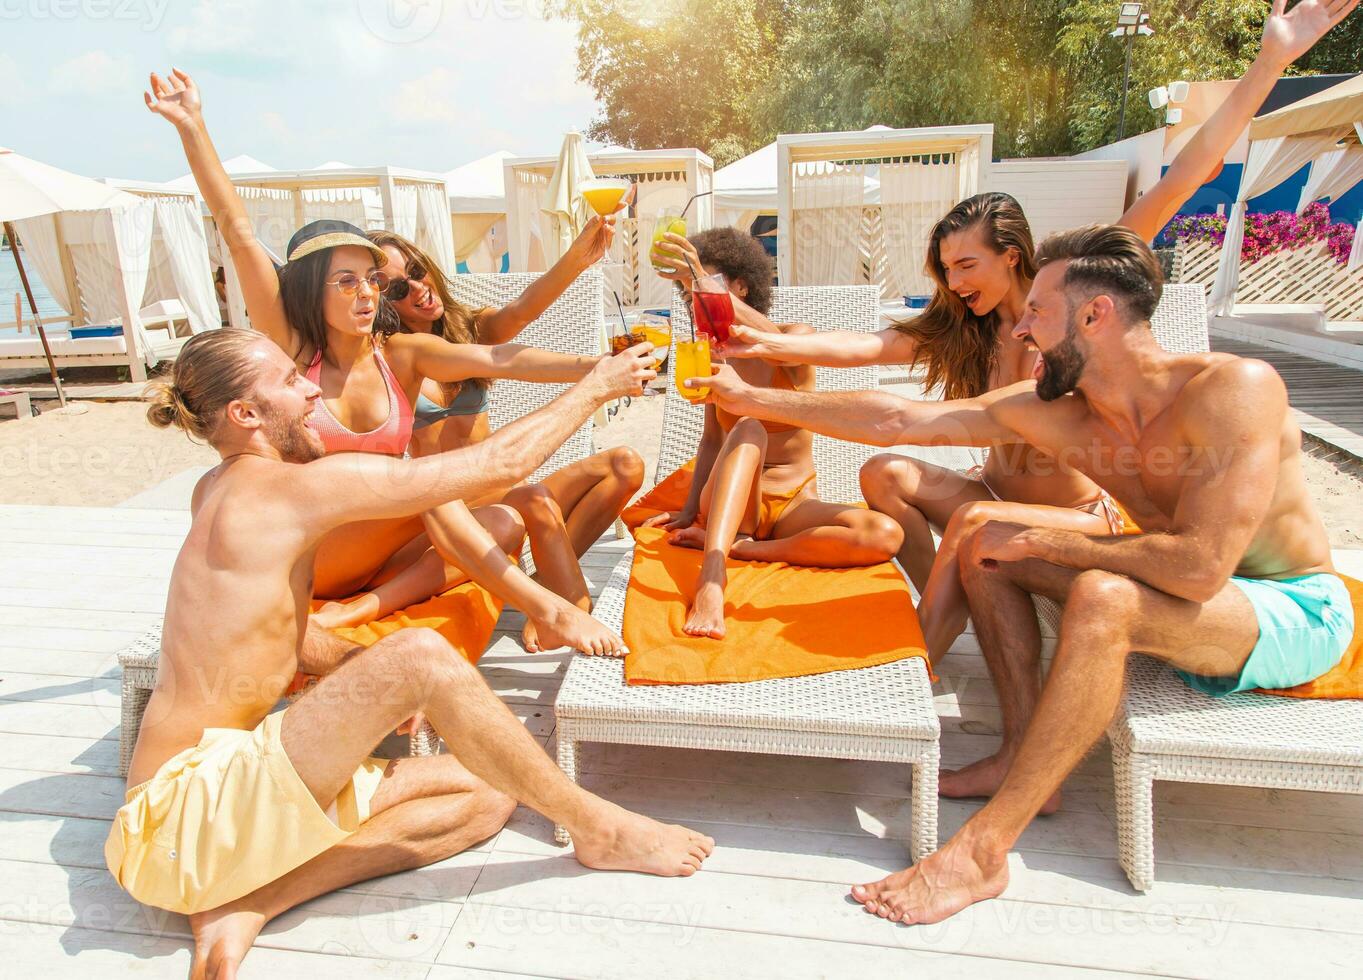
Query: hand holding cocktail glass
[{"x": 607, "y": 197}]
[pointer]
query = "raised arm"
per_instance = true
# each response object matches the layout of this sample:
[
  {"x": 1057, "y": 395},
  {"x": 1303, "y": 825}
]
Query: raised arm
[
  {"x": 502, "y": 325},
  {"x": 176, "y": 98},
  {"x": 875, "y": 417},
  {"x": 828, "y": 348},
  {"x": 427, "y": 356},
  {"x": 1287, "y": 36},
  {"x": 348, "y": 487},
  {"x": 1234, "y": 433}
]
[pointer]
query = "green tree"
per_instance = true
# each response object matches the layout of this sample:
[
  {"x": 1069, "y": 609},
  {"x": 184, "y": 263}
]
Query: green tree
[
  {"x": 678, "y": 72},
  {"x": 728, "y": 75}
]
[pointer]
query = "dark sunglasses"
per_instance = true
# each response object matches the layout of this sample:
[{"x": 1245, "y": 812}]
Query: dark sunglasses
[{"x": 398, "y": 289}]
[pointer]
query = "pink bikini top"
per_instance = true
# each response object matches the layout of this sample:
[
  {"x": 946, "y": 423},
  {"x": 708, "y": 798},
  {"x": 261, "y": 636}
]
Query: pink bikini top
[{"x": 390, "y": 438}]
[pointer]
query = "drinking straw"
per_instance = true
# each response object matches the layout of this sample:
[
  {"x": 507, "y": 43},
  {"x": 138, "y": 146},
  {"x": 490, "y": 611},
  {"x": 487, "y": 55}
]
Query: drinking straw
[
  {"x": 695, "y": 281},
  {"x": 621, "y": 307},
  {"x": 693, "y": 197}
]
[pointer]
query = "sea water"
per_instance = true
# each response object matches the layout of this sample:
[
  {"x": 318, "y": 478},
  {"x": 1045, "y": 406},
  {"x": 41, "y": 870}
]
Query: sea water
[{"x": 11, "y": 284}]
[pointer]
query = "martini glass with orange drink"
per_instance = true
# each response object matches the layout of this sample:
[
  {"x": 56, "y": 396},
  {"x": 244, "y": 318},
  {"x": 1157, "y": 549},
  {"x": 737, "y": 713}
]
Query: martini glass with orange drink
[{"x": 603, "y": 194}]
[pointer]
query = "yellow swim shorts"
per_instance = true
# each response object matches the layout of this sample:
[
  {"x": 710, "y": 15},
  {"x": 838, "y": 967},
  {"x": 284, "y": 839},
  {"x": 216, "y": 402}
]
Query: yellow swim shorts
[{"x": 225, "y": 817}]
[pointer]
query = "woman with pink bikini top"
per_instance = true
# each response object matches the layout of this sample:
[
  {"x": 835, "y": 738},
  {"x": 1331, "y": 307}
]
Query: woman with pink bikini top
[{"x": 320, "y": 307}]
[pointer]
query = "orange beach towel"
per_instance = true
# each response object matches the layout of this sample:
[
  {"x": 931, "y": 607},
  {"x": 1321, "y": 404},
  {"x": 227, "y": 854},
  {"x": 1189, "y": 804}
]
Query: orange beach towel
[
  {"x": 466, "y": 615},
  {"x": 781, "y": 620},
  {"x": 1345, "y": 679}
]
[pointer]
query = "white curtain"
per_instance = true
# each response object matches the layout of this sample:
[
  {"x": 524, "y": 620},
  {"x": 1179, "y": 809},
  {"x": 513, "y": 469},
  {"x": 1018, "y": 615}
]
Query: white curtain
[
  {"x": 471, "y": 232},
  {"x": 526, "y": 235},
  {"x": 914, "y": 194},
  {"x": 826, "y": 216},
  {"x": 1270, "y": 162},
  {"x": 433, "y": 229},
  {"x": 272, "y": 217},
  {"x": 1332, "y": 174},
  {"x": 181, "y": 231},
  {"x": 657, "y": 192},
  {"x": 41, "y": 255},
  {"x": 337, "y": 203},
  {"x": 404, "y": 210}
]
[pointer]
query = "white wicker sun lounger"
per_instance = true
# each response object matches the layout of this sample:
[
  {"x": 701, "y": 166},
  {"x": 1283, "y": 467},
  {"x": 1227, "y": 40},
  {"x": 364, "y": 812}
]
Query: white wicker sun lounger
[
  {"x": 571, "y": 325},
  {"x": 880, "y": 713},
  {"x": 1166, "y": 730}
]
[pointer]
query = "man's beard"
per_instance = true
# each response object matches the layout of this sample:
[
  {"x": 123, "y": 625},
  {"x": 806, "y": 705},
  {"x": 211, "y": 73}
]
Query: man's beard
[
  {"x": 292, "y": 438},
  {"x": 1062, "y": 367}
]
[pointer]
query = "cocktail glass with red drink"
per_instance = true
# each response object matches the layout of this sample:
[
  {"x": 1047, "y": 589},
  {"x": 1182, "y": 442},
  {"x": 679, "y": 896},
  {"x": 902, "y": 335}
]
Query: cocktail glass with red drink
[{"x": 712, "y": 307}]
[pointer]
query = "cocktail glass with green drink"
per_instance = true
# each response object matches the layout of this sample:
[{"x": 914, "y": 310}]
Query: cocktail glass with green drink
[{"x": 669, "y": 221}]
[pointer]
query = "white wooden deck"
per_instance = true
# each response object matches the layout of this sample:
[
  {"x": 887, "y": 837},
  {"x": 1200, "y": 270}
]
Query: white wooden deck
[{"x": 1252, "y": 883}]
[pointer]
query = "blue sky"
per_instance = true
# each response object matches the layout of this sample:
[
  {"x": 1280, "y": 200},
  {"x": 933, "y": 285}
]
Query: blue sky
[{"x": 424, "y": 84}]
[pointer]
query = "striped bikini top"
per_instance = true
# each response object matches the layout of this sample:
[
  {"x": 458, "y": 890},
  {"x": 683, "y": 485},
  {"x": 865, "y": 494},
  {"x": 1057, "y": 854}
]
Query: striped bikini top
[{"x": 390, "y": 438}]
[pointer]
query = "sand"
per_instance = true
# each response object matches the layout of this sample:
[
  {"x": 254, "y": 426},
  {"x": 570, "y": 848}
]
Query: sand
[{"x": 97, "y": 454}]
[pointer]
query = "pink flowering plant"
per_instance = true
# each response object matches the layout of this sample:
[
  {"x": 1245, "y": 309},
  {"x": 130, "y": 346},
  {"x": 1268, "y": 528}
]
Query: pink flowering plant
[{"x": 1266, "y": 234}]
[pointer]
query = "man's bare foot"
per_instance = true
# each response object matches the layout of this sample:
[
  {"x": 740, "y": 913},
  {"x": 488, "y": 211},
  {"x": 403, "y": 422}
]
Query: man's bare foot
[
  {"x": 625, "y": 841},
  {"x": 568, "y": 626},
  {"x": 937, "y": 887},
  {"x": 688, "y": 537},
  {"x": 983, "y": 778},
  {"x": 353, "y": 612},
  {"x": 222, "y": 938},
  {"x": 706, "y": 617}
]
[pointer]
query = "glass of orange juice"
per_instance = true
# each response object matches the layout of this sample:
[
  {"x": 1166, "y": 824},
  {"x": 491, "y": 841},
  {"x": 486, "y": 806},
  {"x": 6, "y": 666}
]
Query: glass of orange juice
[
  {"x": 603, "y": 194},
  {"x": 693, "y": 361}
]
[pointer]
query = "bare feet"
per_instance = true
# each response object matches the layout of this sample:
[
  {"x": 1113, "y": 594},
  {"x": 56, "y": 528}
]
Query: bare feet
[
  {"x": 354, "y": 612},
  {"x": 937, "y": 887},
  {"x": 983, "y": 778},
  {"x": 569, "y": 626},
  {"x": 625, "y": 841},
  {"x": 688, "y": 537},
  {"x": 706, "y": 617},
  {"x": 222, "y": 938}
]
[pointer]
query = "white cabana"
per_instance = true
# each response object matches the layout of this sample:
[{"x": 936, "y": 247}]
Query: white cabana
[
  {"x": 856, "y": 207},
  {"x": 241, "y": 164},
  {"x": 747, "y": 188},
  {"x": 412, "y": 203},
  {"x": 478, "y": 213},
  {"x": 180, "y": 274},
  {"x": 92, "y": 245},
  {"x": 1280, "y": 144},
  {"x": 666, "y": 179}
]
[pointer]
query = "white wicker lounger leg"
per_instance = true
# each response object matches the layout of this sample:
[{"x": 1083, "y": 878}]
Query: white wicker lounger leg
[
  {"x": 923, "y": 806},
  {"x": 1134, "y": 781},
  {"x": 567, "y": 761}
]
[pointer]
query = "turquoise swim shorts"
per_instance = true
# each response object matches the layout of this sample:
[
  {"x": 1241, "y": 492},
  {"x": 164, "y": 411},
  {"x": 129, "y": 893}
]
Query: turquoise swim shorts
[{"x": 1305, "y": 625}]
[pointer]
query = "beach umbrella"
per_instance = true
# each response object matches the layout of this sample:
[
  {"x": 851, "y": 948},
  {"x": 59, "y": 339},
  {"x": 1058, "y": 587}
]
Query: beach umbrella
[{"x": 562, "y": 199}]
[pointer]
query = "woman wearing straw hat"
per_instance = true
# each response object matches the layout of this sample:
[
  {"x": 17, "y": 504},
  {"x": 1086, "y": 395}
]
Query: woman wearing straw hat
[{"x": 320, "y": 308}]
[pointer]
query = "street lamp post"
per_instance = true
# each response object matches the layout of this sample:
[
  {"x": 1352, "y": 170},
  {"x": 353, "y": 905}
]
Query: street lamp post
[{"x": 1130, "y": 23}]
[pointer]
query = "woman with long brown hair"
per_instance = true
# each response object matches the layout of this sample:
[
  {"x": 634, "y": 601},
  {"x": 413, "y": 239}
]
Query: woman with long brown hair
[
  {"x": 569, "y": 510},
  {"x": 981, "y": 259}
]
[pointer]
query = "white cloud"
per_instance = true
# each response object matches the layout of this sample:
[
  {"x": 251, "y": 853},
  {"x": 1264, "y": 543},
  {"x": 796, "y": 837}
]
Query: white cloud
[
  {"x": 237, "y": 37},
  {"x": 429, "y": 98},
  {"x": 94, "y": 73},
  {"x": 14, "y": 90}
]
